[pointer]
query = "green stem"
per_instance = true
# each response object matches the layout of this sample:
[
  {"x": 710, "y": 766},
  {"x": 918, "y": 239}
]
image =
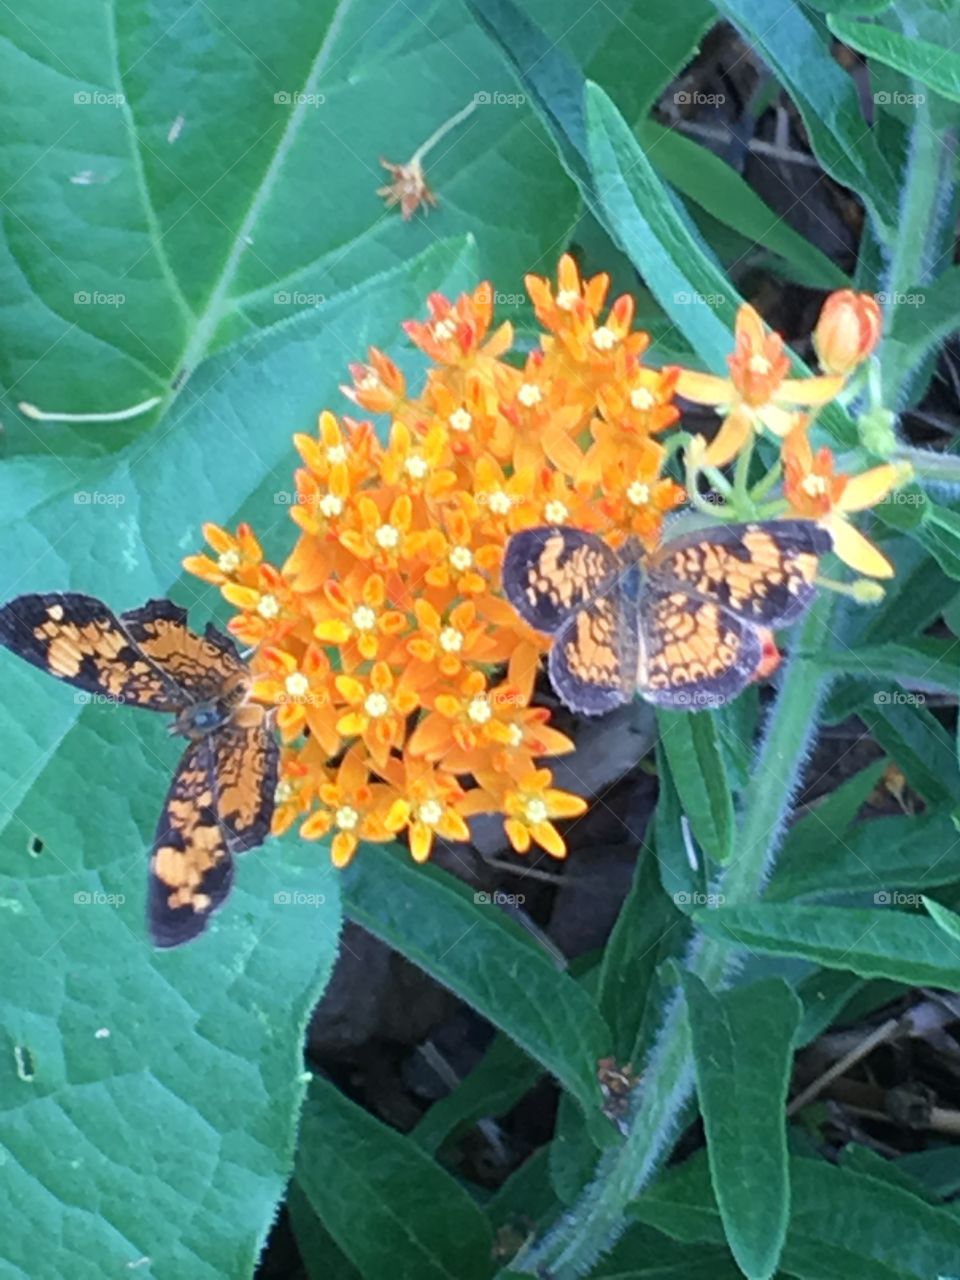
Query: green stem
[
  {"x": 597, "y": 1219},
  {"x": 934, "y": 468}
]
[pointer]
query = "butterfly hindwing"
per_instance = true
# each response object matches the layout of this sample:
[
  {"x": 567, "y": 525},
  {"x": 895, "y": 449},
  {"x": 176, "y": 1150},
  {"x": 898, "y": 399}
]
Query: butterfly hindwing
[
  {"x": 77, "y": 639},
  {"x": 551, "y": 571},
  {"x": 593, "y": 659},
  {"x": 247, "y": 765},
  {"x": 693, "y": 654},
  {"x": 191, "y": 870},
  {"x": 764, "y": 572}
]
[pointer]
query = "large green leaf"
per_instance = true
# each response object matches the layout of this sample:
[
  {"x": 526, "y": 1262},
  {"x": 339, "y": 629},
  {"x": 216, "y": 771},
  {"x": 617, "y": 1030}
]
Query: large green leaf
[
  {"x": 177, "y": 177},
  {"x": 389, "y": 1207},
  {"x": 844, "y": 1225},
  {"x": 87, "y": 781},
  {"x": 691, "y": 744},
  {"x": 874, "y": 944},
  {"x": 743, "y": 1052},
  {"x": 487, "y": 959},
  {"x": 931, "y": 64}
]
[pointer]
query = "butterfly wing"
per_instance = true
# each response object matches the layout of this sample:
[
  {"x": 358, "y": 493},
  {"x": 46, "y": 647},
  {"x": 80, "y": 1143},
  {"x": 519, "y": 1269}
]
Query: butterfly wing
[
  {"x": 77, "y": 639},
  {"x": 220, "y": 802},
  {"x": 693, "y": 653},
  {"x": 201, "y": 665},
  {"x": 764, "y": 573},
  {"x": 552, "y": 571},
  {"x": 593, "y": 658}
]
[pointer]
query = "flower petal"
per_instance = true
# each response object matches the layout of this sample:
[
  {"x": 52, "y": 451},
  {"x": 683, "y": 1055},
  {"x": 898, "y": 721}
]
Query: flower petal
[{"x": 856, "y": 550}]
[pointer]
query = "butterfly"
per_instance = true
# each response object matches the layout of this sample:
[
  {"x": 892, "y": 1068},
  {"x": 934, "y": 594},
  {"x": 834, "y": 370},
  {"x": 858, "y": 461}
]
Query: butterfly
[
  {"x": 685, "y": 627},
  {"x": 221, "y": 799}
]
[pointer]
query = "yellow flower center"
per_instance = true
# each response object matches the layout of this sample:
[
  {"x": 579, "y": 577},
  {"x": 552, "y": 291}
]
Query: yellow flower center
[
  {"x": 346, "y": 818},
  {"x": 284, "y": 792},
  {"x": 642, "y": 398},
  {"x": 336, "y": 454},
  {"x": 529, "y": 395},
  {"x": 461, "y": 558},
  {"x": 268, "y": 606},
  {"x": 297, "y": 684},
  {"x": 330, "y": 505},
  {"x": 444, "y": 330},
  {"x": 604, "y": 339},
  {"x": 555, "y": 513},
  {"x": 416, "y": 466},
  {"x": 387, "y": 537},
  {"x": 228, "y": 562},
  {"x": 460, "y": 420},
  {"x": 535, "y": 810},
  {"x": 500, "y": 502},
  {"x": 567, "y": 299},
  {"x": 478, "y": 709},
  {"x": 514, "y": 735},
  {"x": 758, "y": 364},
  {"x": 814, "y": 486},
  {"x": 363, "y": 618},
  {"x": 430, "y": 812},
  {"x": 638, "y": 494},
  {"x": 376, "y": 705},
  {"x": 369, "y": 382},
  {"x": 451, "y": 640}
]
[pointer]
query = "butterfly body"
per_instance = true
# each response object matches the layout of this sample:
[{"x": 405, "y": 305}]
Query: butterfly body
[
  {"x": 683, "y": 627},
  {"x": 221, "y": 798}
]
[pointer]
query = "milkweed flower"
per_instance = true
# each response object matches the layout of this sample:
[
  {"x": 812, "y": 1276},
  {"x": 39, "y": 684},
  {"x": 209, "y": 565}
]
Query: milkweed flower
[
  {"x": 813, "y": 489},
  {"x": 758, "y": 393},
  {"x": 847, "y": 331}
]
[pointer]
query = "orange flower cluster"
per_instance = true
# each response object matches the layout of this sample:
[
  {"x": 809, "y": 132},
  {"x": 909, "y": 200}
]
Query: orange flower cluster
[{"x": 398, "y": 670}]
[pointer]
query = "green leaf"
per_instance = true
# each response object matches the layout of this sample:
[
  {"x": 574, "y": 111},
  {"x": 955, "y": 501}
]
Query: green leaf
[
  {"x": 926, "y": 662},
  {"x": 484, "y": 957},
  {"x": 316, "y": 1246},
  {"x": 824, "y": 995},
  {"x": 877, "y": 854},
  {"x": 915, "y": 739},
  {"x": 649, "y": 930},
  {"x": 829, "y": 815},
  {"x": 644, "y": 1254},
  {"x": 873, "y": 944},
  {"x": 931, "y": 64},
  {"x": 844, "y": 1225},
  {"x": 121, "y": 1140},
  {"x": 497, "y": 1083},
  {"x": 920, "y": 328},
  {"x": 89, "y": 780},
  {"x": 743, "y": 1054},
  {"x": 691, "y": 743},
  {"x": 215, "y": 211},
  {"x": 389, "y": 1207},
  {"x": 948, "y": 920},
  {"x": 704, "y": 178},
  {"x": 825, "y": 96}
]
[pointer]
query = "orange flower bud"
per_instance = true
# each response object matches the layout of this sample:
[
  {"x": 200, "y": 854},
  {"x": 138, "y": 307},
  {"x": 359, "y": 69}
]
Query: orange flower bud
[{"x": 847, "y": 331}]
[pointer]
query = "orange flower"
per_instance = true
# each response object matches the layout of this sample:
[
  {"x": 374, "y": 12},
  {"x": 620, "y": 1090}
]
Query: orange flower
[
  {"x": 238, "y": 558},
  {"x": 813, "y": 490},
  {"x": 355, "y": 620},
  {"x": 442, "y": 645},
  {"x": 351, "y": 807},
  {"x": 407, "y": 188},
  {"x": 378, "y": 386},
  {"x": 758, "y": 392},
  {"x": 455, "y": 332},
  {"x": 303, "y": 692},
  {"x": 636, "y": 497},
  {"x": 385, "y": 536},
  {"x": 379, "y": 705},
  {"x": 426, "y": 805},
  {"x": 847, "y": 331},
  {"x": 530, "y": 804}
]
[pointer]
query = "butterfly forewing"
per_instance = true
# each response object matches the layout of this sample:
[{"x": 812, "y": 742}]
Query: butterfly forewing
[
  {"x": 200, "y": 666},
  {"x": 551, "y": 571}
]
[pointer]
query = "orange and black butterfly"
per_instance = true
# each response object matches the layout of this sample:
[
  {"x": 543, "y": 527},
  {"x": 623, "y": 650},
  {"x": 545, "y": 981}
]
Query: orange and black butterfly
[
  {"x": 684, "y": 627},
  {"x": 222, "y": 795}
]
